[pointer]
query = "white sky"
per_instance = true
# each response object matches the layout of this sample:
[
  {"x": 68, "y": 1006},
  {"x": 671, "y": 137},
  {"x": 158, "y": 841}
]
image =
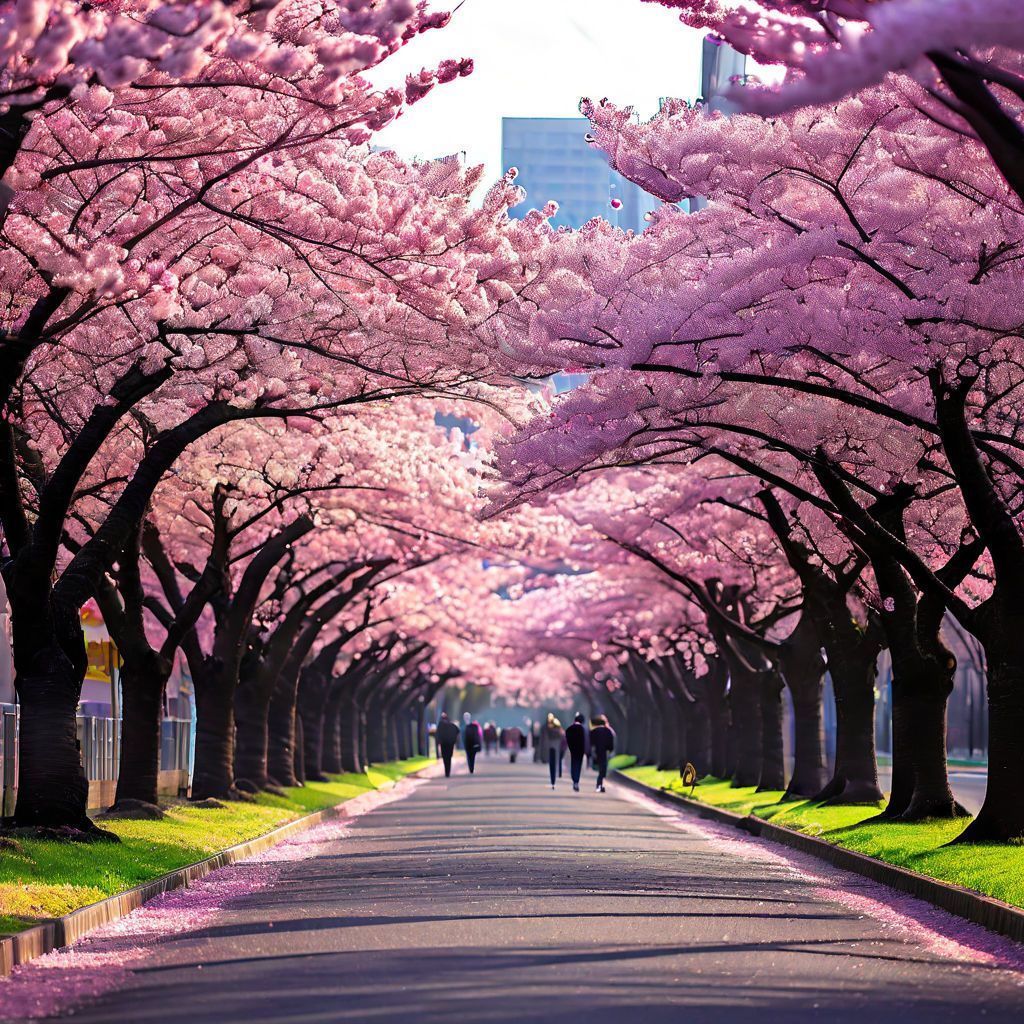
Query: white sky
[{"x": 536, "y": 58}]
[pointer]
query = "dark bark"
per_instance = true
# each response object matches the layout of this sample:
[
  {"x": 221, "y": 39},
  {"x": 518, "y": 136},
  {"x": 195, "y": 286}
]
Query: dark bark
[
  {"x": 213, "y": 774},
  {"x": 1001, "y": 814},
  {"x": 745, "y": 706},
  {"x": 52, "y": 787},
  {"x": 281, "y": 735},
  {"x": 331, "y": 751},
  {"x": 299, "y": 765},
  {"x": 998, "y": 623},
  {"x": 670, "y": 719},
  {"x": 810, "y": 771},
  {"x": 315, "y": 684},
  {"x": 922, "y": 665},
  {"x": 773, "y": 763},
  {"x": 699, "y": 738},
  {"x": 350, "y": 728},
  {"x": 49, "y": 648},
  {"x": 143, "y": 682},
  {"x": 718, "y": 714},
  {"x": 999, "y": 133},
  {"x": 215, "y": 677},
  {"x": 851, "y": 653},
  {"x": 803, "y": 668},
  {"x": 253, "y": 691},
  {"x": 303, "y": 624}
]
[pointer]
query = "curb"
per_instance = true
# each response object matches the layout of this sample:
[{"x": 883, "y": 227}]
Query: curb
[
  {"x": 966, "y": 903},
  {"x": 58, "y": 932}
]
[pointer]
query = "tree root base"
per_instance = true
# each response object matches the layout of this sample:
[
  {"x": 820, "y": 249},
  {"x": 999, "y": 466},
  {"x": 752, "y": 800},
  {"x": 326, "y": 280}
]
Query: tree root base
[
  {"x": 132, "y": 810},
  {"x": 58, "y": 833}
]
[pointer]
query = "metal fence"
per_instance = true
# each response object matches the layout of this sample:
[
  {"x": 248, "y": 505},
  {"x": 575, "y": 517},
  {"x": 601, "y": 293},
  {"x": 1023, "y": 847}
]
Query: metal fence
[
  {"x": 9, "y": 756},
  {"x": 100, "y": 742}
]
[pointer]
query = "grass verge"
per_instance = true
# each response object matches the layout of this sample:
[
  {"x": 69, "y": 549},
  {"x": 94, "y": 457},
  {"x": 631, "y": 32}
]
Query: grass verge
[
  {"x": 43, "y": 878},
  {"x": 995, "y": 869}
]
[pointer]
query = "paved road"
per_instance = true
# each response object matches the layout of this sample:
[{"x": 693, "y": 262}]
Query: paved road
[{"x": 492, "y": 899}]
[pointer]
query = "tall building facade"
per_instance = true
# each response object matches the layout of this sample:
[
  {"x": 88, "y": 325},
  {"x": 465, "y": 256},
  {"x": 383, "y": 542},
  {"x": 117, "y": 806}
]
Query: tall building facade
[
  {"x": 721, "y": 67},
  {"x": 556, "y": 162}
]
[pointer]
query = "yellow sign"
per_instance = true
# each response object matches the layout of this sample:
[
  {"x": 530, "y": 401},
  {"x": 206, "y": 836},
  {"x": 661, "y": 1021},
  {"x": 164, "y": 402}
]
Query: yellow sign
[
  {"x": 102, "y": 656},
  {"x": 689, "y": 774}
]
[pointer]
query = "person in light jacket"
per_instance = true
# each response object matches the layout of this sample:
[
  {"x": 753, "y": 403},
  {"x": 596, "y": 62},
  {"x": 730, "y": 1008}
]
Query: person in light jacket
[
  {"x": 551, "y": 737},
  {"x": 602, "y": 743}
]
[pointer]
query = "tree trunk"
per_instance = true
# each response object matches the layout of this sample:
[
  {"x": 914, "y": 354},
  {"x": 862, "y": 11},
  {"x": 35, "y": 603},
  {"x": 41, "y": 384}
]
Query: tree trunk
[
  {"x": 745, "y": 704},
  {"x": 773, "y": 762},
  {"x": 332, "y": 757},
  {"x": 376, "y": 730},
  {"x": 719, "y": 725},
  {"x": 422, "y": 736},
  {"x": 670, "y": 729},
  {"x": 300, "y": 749},
  {"x": 853, "y": 670},
  {"x": 143, "y": 680},
  {"x": 810, "y": 771},
  {"x": 392, "y": 718},
  {"x": 803, "y": 668},
  {"x": 52, "y": 787},
  {"x": 313, "y": 727},
  {"x": 314, "y": 694},
  {"x": 252, "y": 708},
  {"x": 49, "y": 667},
  {"x": 351, "y": 752},
  {"x": 363, "y": 733},
  {"x": 213, "y": 775},
  {"x": 699, "y": 738},
  {"x": 921, "y": 685},
  {"x": 1001, "y": 817},
  {"x": 281, "y": 734}
]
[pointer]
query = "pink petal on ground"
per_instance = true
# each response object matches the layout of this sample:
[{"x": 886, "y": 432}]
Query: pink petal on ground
[
  {"x": 910, "y": 919},
  {"x": 102, "y": 961}
]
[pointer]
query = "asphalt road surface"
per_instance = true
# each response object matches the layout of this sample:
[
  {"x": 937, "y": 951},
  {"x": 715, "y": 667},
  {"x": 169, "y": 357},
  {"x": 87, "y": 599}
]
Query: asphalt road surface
[{"x": 492, "y": 899}]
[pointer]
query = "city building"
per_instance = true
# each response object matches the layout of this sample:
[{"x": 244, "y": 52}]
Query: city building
[
  {"x": 556, "y": 162},
  {"x": 721, "y": 67}
]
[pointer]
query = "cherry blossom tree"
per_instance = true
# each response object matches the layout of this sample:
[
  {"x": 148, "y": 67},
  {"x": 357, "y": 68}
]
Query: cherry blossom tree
[
  {"x": 966, "y": 55},
  {"x": 160, "y": 286}
]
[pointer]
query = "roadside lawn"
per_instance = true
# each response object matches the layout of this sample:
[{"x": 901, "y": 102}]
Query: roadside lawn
[{"x": 995, "y": 869}]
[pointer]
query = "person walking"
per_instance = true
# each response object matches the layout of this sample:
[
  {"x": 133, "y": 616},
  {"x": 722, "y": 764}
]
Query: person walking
[
  {"x": 551, "y": 737},
  {"x": 472, "y": 740},
  {"x": 446, "y": 736},
  {"x": 512, "y": 741},
  {"x": 602, "y": 743},
  {"x": 576, "y": 741},
  {"x": 490, "y": 738}
]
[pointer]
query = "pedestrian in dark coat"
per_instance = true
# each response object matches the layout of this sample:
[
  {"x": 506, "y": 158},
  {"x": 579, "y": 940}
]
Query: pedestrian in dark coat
[
  {"x": 490, "y": 738},
  {"x": 472, "y": 740},
  {"x": 512, "y": 739},
  {"x": 576, "y": 741},
  {"x": 446, "y": 736},
  {"x": 602, "y": 743}
]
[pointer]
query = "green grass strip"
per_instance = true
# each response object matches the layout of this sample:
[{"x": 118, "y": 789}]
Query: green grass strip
[
  {"x": 44, "y": 878},
  {"x": 995, "y": 869}
]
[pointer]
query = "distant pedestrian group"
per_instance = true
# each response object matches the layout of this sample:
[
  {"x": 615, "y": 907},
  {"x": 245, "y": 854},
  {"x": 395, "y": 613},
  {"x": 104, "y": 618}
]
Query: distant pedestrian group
[{"x": 593, "y": 745}]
